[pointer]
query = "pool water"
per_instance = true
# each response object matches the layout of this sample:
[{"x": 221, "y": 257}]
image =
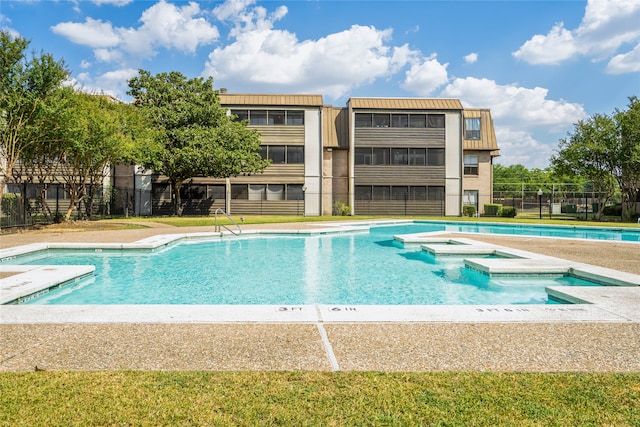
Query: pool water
[
  {"x": 557, "y": 231},
  {"x": 348, "y": 268}
]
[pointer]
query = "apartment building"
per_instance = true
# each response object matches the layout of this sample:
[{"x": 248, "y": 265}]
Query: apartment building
[
  {"x": 378, "y": 156},
  {"x": 375, "y": 156}
]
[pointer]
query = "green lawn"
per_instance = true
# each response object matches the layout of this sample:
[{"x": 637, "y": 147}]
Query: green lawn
[{"x": 318, "y": 399}]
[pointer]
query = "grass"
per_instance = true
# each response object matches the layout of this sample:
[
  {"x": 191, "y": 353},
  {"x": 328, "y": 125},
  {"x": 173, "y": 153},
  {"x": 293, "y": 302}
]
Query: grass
[{"x": 313, "y": 399}]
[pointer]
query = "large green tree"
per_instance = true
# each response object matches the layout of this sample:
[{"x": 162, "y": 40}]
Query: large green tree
[
  {"x": 95, "y": 137},
  {"x": 588, "y": 152},
  {"x": 194, "y": 135},
  {"x": 27, "y": 85},
  {"x": 627, "y": 167}
]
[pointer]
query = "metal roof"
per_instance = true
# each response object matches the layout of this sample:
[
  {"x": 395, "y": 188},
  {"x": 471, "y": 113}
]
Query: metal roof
[
  {"x": 335, "y": 127},
  {"x": 271, "y": 100},
  {"x": 487, "y": 139},
  {"x": 406, "y": 103}
]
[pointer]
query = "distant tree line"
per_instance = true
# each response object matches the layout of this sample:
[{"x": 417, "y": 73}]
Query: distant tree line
[{"x": 51, "y": 132}]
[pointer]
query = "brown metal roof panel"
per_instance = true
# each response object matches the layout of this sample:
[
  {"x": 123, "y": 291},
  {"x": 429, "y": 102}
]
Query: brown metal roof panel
[
  {"x": 487, "y": 139},
  {"x": 406, "y": 103},
  {"x": 270, "y": 100}
]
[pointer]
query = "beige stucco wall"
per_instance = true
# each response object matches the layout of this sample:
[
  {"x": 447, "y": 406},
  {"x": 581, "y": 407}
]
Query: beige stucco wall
[{"x": 482, "y": 182}]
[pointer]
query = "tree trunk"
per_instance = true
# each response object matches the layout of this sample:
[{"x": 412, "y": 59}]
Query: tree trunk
[{"x": 177, "y": 202}]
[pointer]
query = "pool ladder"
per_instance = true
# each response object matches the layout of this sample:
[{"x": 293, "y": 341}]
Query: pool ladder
[{"x": 218, "y": 226}]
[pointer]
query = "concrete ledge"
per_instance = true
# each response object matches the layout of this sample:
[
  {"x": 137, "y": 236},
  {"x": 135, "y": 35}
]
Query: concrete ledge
[
  {"x": 32, "y": 280},
  {"x": 37, "y": 314}
]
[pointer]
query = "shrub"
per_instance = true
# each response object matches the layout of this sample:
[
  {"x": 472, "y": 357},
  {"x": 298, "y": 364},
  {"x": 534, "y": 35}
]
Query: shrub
[
  {"x": 469, "y": 210},
  {"x": 341, "y": 209},
  {"x": 507, "y": 212},
  {"x": 491, "y": 209},
  {"x": 613, "y": 210}
]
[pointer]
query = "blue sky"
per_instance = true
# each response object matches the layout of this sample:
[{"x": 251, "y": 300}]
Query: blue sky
[{"x": 540, "y": 66}]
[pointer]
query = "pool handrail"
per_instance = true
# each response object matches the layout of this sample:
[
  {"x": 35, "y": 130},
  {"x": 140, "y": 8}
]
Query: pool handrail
[{"x": 217, "y": 226}]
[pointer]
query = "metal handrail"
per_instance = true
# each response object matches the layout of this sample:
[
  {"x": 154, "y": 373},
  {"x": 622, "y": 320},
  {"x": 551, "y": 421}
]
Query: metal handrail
[{"x": 217, "y": 226}]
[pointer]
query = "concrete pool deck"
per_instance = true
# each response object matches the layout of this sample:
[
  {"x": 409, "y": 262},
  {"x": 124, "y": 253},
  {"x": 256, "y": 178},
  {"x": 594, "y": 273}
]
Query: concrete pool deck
[{"x": 495, "y": 338}]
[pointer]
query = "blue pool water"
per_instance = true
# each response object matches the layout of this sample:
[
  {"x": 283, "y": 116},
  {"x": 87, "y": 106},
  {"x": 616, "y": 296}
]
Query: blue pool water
[
  {"x": 560, "y": 231},
  {"x": 349, "y": 268}
]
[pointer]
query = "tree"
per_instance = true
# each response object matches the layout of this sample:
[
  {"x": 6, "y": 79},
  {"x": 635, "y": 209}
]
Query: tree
[
  {"x": 627, "y": 168},
  {"x": 96, "y": 136},
  {"x": 193, "y": 134},
  {"x": 587, "y": 152},
  {"x": 25, "y": 86}
]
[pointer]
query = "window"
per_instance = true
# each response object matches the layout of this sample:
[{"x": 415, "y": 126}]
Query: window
[
  {"x": 193, "y": 192},
  {"x": 399, "y": 156},
  {"x": 363, "y": 156},
  {"x": 295, "y": 154},
  {"x": 275, "y": 192},
  {"x": 56, "y": 191},
  {"x": 160, "y": 191},
  {"x": 295, "y": 118},
  {"x": 242, "y": 115},
  {"x": 294, "y": 192},
  {"x": 471, "y": 164},
  {"x": 435, "y": 156},
  {"x": 276, "y": 117},
  {"x": 399, "y": 192},
  {"x": 470, "y": 197},
  {"x": 362, "y": 192},
  {"x": 400, "y": 120},
  {"x": 472, "y": 128},
  {"x": 380, "y": 156},
  {"x": 381, "y": 192},
  {"x": 435, "y": 194},
  {"x": 257, "y": 117},
  {"x": 417, "y": 156},
  {"x": 381, "y": 120},
  {"x": 239, "y": 191},
  {"x": 257, "y": 191},
  {"x": 418, "y": 120},
  {"x": 216, "y": 192},
  {"x": 418, "y": 193},
  {"x": 276, "y": 154},
  {"x": 435, "y": 121},
  {"x": 263, "y": 151},
  {"x": 363, "y": 120}
]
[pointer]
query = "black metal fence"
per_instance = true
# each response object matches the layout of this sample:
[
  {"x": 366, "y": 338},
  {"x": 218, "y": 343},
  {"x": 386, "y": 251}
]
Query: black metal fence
[{"x": 26, "y": 205}]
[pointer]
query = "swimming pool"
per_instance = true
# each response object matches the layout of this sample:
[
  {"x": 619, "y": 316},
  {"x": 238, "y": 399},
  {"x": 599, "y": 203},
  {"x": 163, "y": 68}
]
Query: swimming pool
[
  {"x": 359, "y": 268},
  {"x": 556, "y": 231}
]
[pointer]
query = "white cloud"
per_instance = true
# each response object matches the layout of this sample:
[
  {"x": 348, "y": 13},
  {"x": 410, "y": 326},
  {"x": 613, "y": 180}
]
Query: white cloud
[
  {"x": 425, "y": 77},
  {"x": 522, "y": 108},
  {"x": 85, "y": 64},
  {"x": 12, "y": 32},
  {"x": 260, "y": 56},
  {"x": 606, "y": 26},
  {"x": 518, "y": 147},
  {"x": 112, "y": 2},
  {"x": 93, "y": 33},
  {"x": 163, "y": 25},
  {"x": 113, "y": 83},
  {"x": 471, "y": 58},
  {"x": 556, "y": 46},
  {"x": 625, "y": 62}
]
